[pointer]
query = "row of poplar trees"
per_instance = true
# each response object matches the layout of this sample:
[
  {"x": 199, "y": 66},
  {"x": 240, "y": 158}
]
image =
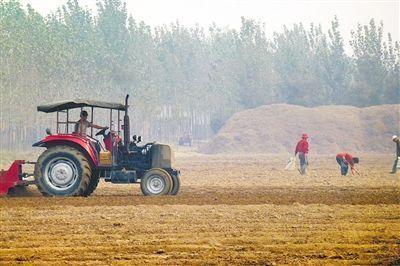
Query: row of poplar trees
[{"x": 182, "y": 80}]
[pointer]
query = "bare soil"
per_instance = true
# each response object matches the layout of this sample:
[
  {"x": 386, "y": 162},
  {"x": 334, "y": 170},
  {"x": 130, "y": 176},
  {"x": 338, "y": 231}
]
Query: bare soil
[{"x": 232, "y": 209}]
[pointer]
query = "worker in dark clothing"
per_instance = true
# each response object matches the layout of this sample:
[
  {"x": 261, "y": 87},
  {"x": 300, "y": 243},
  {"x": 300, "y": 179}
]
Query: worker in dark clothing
[
  {"x": 302, "y": 150},
  {"x": 344, "y": 160},
  {"x": 396, "y": 140}
]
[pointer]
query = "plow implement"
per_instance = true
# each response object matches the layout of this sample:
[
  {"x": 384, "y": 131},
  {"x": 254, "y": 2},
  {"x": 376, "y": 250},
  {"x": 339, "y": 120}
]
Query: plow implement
[{"x": 14, "y": 177}]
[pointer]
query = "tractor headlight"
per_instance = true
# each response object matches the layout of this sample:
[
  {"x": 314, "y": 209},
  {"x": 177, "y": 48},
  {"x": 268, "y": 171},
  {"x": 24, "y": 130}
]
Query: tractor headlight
[{"x": 146, "y": 149}]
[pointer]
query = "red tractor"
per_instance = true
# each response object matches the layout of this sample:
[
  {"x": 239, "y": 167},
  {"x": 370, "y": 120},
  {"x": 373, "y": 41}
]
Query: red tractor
[{"x": 73, "y": 163}]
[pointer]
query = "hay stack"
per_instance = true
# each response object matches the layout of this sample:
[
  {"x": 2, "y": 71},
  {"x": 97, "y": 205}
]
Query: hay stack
[{"x": 276, "y": 128}]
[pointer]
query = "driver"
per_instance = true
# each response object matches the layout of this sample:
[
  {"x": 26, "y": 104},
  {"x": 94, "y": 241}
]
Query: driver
[{"x": 82, "y": 124}]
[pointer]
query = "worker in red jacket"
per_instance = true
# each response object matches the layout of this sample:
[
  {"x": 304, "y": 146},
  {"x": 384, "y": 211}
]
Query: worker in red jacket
[
  {"x": 344, "y": 160},
  {"x": 302, "y": 150}
]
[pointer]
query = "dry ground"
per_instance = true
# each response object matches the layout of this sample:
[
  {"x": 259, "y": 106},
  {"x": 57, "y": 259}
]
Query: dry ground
[{"x": 231, "y": 210}]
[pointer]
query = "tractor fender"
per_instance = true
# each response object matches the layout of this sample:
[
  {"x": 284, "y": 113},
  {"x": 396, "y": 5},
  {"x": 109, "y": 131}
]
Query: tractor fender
[{"x": 74, "y": 141}]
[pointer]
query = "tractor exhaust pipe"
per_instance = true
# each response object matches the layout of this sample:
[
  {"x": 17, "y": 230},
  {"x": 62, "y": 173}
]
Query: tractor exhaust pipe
[{"x": 126, "y": 125}]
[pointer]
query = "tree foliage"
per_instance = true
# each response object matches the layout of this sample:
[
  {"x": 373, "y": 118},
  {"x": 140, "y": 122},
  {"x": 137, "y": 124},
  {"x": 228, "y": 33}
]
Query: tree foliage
[{"x": 183, "y": 79}]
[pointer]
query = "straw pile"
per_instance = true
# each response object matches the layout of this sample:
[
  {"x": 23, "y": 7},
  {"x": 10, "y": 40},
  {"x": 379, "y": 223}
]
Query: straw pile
[{"x": 276, "y": 129}]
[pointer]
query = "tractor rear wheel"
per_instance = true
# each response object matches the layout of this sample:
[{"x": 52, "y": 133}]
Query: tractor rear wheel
[
  {"x": 156, "y": 182},
  {"x": 62, "y": 171},
  {"x": 93, "y": 183}
]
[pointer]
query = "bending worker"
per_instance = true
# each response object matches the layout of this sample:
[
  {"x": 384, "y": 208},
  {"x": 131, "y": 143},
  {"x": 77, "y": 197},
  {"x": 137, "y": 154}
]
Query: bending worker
[
  {"x": 302, "y": 150},
  {"x": 344, "y": 160},
  {"x": 396, "y": 140}
]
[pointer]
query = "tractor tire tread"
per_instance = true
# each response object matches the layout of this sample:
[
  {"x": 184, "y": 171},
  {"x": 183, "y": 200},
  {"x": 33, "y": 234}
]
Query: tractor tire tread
[
  {"x": 94, "y": 182},
  {"x": 176, "y": 184}
]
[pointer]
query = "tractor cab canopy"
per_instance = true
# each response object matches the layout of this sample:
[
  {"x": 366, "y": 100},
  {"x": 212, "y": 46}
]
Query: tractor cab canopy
[
  {"x": 78, "y": 103},
  {"x": 65, "y": 106}
]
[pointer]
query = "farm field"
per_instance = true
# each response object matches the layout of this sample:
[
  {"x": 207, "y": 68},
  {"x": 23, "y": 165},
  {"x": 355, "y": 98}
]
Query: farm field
[{"x": 232, "y": 209}]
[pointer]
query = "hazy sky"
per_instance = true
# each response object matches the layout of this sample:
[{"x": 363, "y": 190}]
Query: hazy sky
[{"x": 274, "y": 13}]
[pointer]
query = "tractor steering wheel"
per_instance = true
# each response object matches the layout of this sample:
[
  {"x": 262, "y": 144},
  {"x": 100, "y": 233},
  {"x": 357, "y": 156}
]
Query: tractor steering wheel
[{"x": 101, "y": 132}]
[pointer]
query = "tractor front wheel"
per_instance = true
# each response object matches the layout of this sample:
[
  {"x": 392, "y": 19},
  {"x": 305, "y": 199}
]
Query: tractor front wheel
[
  {"x": 176, "y": 184},
  {"x": 62, "y": 171},
  {"x": 156, "y": 182}
]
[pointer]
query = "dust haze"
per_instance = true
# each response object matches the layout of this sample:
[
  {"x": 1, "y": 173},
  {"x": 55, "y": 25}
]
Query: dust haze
[{"x": 230, "y": 87}]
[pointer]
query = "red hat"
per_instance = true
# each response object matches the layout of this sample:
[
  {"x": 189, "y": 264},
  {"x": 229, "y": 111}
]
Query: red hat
[{"x": 304, "y": 136}]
